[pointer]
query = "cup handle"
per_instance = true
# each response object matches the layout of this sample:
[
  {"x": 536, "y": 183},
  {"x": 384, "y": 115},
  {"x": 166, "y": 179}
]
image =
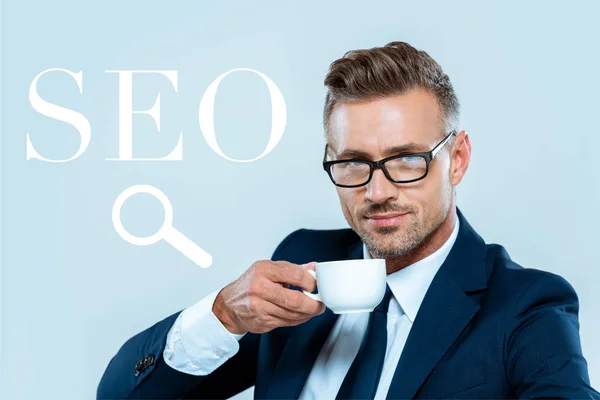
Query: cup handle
[{"x": 314, "y": 296}]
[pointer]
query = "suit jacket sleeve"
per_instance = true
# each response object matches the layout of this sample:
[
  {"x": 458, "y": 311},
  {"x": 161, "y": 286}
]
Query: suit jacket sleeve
[
  {"x": 161, "y": 381},
  {"x": 542, "y": 345}
]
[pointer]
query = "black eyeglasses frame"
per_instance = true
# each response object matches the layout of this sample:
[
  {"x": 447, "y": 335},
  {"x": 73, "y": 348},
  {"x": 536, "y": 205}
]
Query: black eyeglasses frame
[{"x": 373, "y": 165}]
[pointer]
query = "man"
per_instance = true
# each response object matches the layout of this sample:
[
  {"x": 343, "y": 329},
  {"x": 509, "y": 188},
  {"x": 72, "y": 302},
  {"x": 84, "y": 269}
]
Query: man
[{"x": 460, "y": 318}]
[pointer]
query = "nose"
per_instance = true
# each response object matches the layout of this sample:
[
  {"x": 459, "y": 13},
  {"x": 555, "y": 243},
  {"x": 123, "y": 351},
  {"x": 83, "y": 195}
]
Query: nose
[{"x": 380, "y": 189}]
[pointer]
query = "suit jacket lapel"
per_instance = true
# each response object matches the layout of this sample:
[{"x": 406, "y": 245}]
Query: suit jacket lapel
[
  {"x": 445, "y": 312},
  {"x": 303, "y": 347},
  {"x": 355, "y": 250},
  {"x": 299, "y": 355}
]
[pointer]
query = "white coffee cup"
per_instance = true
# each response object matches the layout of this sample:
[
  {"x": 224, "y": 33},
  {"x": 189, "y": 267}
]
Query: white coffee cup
[{"x": 350, "y": 286}]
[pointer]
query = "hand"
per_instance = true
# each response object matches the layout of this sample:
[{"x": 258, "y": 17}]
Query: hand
[{"x": 260, "y": 300}]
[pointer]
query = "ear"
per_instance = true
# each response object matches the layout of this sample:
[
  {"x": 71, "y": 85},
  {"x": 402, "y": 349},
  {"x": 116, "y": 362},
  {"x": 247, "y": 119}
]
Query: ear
[{"x": 460, "y": 156}]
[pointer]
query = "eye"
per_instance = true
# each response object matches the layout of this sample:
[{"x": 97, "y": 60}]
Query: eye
[
  {"x": 412, "y": 159},
  {"x": 355, "y": 164},
  {"x": 407, "y": 162}
]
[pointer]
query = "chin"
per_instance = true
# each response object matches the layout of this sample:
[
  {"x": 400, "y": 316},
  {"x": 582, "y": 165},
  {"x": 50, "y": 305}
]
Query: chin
[
  {"x": 389, "y": 253},
  {"x": 391, "y": 242}
]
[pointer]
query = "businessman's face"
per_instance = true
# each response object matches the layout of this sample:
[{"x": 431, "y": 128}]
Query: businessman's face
[{"x": 373, "y": 127}]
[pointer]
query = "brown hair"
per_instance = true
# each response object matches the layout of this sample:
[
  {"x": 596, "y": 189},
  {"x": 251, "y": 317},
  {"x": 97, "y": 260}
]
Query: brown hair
[{"x": 385, "y": 71}]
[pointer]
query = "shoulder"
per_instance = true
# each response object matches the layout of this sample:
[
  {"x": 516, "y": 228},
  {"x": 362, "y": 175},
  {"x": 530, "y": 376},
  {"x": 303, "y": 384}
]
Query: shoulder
[
  {"x": 524, "y": 287},
  {"x": 306, "y": 245}
]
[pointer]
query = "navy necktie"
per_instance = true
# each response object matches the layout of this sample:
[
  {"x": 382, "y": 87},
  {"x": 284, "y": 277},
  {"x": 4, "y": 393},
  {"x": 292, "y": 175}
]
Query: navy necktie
[{"x": 363, "y": 376}]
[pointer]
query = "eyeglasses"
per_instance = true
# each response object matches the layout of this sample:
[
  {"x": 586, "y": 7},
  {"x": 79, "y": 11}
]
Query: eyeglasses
[{"x": 403, "y": 168}]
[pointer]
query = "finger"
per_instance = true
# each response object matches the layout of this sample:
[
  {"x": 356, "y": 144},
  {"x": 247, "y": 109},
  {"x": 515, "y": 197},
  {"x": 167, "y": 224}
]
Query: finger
[
  {"x": 288, "y": 317},
  {"x": 311, "y": 265},
  {"x": 291, "y": 300},
  {"x": 293, "y": 274}
]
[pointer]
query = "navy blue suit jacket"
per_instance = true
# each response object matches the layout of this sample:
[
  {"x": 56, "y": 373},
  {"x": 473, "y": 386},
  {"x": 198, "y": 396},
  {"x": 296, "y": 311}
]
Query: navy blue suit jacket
[{"x": 487, "y": 328}]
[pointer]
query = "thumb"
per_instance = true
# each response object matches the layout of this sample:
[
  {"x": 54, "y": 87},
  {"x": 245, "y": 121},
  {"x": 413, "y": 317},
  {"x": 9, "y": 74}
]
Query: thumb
[{"x": 310, "y": 265}]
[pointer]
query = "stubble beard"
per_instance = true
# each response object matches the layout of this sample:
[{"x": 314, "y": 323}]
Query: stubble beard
[{"x": 398, "y": 241}]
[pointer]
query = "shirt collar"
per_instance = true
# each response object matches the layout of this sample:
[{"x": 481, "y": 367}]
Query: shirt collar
[{"x": 410, "y": 284}]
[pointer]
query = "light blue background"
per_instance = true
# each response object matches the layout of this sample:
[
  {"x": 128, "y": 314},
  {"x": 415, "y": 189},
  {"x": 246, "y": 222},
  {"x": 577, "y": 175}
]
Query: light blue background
[{"x": 73, "y": 291}]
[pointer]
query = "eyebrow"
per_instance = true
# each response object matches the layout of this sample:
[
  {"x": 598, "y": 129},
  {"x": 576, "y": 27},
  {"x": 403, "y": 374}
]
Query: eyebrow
[{"x": 405, "y": 148}]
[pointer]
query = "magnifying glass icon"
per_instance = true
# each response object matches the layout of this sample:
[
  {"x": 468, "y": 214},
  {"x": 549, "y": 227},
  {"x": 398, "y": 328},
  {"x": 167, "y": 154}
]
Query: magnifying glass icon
[{"x": 167, "y": 232}]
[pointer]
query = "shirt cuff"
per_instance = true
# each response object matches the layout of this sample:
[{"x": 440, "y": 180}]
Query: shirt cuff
[{"x": 198, "y": 343}]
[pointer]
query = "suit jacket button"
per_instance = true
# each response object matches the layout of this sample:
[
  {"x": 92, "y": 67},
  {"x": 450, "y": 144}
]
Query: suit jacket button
[
  {"x": 143, "y": 364},
  {"x": 149, "y": 360}
]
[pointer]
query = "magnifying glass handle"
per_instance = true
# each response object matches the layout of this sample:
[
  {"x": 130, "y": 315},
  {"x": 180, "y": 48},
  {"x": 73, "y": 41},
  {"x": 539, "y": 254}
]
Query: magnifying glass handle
[{"x": 189, "y": 249}]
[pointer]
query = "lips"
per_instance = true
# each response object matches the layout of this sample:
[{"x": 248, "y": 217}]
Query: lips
[
  {"x": 389, "y": 219},
  {"x": 384, "y": 216}
]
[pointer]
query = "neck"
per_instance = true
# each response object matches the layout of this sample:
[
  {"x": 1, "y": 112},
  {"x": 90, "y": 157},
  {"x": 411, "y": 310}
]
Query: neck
[{"x": 427, "y": 247}]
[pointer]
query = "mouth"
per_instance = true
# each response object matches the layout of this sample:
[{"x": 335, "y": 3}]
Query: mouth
[{"x": 388, "y": 219}]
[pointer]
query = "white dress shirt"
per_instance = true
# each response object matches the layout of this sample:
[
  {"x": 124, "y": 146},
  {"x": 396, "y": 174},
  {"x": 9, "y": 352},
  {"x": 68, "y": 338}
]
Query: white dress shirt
[{"x": 198, "y": 343}]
